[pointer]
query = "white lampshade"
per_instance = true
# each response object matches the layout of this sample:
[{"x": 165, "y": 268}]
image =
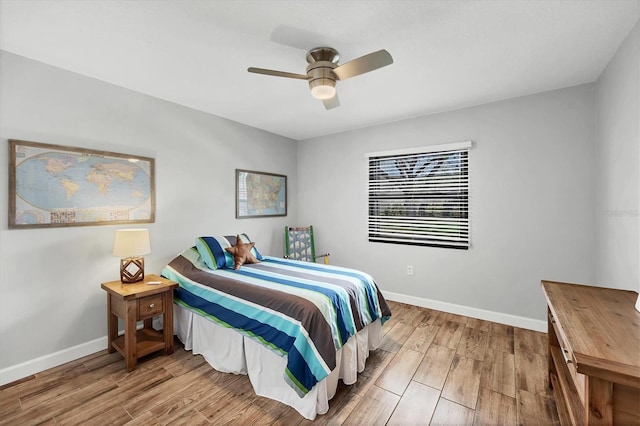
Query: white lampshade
[{"x": 131, "y": 242}]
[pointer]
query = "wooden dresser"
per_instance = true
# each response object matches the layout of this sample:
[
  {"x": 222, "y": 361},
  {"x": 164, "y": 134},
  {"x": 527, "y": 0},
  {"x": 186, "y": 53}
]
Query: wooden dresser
[{"x": 594, "y": 354}]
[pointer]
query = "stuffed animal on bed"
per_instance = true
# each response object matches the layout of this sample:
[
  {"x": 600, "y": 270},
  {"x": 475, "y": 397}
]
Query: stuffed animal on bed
[{"x": 242, "y": 253}]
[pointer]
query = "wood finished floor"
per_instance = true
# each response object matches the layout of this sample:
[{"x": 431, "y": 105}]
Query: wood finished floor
[{"x": 432, "y": 368}]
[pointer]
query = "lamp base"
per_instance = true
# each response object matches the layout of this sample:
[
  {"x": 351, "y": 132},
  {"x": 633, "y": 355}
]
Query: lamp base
[{"x": 132, "y": 269}]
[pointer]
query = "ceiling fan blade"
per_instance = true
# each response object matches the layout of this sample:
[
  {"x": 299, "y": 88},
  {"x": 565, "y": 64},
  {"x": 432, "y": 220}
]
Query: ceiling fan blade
[
  {"x": 363, "y": 64},
  {"x": 331, "y": 102},
  {"x": 277, "y": 73}
]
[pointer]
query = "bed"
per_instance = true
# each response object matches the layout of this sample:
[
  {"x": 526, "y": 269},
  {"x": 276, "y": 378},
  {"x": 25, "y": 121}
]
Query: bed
[{"x": 295, "y": 328}]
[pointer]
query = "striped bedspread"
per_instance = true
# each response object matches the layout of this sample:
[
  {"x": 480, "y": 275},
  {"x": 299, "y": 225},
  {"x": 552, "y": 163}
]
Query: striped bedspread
[{"x": 301, "y": 310}]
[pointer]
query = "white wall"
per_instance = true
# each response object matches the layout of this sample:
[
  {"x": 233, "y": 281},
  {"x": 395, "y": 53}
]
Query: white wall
[
  {"x": 618, "y": 165},
  {"x": 532, "y": 202},
  {"x": 50, "y": 296}
]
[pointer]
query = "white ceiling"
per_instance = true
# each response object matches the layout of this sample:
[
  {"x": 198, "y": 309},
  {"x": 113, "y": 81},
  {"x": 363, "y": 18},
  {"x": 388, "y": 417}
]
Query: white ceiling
[{"x": 447, "y": 54}]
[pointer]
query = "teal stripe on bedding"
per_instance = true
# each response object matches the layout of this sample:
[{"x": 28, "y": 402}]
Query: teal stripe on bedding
[
  {"x": 207, "y": 252},
  {"x": 285, "y": 324},
  {"x": 228, "y": 257},
  {"x": 370, "y": 291},
  {"x": 221, "y": 323},
  {"x": 337, "y": 298},
  {"x": 194, "y": 257},
  {"x": 323, "y": 303},
  {"x": 359, "y": 294}
]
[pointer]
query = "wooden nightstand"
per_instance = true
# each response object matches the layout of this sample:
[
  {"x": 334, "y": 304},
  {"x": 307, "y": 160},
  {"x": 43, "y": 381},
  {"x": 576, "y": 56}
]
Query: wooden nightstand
[{"x": 139, "y": 302}]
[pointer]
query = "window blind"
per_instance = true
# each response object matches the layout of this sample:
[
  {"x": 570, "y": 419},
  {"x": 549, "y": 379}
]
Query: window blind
[{"x": 420, "y": 197}]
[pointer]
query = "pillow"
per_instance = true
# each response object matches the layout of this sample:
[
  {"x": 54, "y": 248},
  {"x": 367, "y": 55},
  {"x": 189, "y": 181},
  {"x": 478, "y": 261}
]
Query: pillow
[
  {"x": 212, "y": 251},
  {"x": 241, "y": 252}
]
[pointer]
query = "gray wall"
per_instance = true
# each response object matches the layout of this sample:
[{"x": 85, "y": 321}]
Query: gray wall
[
  {"x": 50, "y": 296},
  {"x": 532, "y": 201},
  {"x": 618, "y": 168}
]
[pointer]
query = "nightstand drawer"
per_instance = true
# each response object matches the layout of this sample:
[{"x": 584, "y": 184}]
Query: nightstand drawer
[{"x": 150, "y": 306}]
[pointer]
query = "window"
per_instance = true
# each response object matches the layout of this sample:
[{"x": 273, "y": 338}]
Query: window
[{"x": 420, "y": 196}]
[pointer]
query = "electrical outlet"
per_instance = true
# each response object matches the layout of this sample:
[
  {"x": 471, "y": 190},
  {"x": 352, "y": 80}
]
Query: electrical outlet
[{"x": 409, "y": 270}]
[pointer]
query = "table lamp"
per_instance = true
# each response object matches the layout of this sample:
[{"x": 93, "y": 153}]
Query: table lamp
[{"x": 131, "y": 245}]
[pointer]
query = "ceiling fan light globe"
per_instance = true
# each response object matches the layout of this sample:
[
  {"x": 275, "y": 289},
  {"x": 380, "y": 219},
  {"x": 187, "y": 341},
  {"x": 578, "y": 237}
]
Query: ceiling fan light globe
[{"x": 323, "y": 92}]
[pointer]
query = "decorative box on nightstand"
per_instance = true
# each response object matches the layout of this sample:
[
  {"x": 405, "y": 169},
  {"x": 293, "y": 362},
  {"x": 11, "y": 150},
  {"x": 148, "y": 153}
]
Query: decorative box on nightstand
[{"x": 139, "y": 302}]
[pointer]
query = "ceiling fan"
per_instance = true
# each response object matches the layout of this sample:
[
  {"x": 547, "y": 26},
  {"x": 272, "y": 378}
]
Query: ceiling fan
[{"x": 323, "y": 71}]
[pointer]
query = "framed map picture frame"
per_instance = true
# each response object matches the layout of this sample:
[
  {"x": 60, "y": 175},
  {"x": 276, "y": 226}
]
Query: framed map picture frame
[
  {"x": 260, "y": 194},
  {"x": 57, "y": 186}
]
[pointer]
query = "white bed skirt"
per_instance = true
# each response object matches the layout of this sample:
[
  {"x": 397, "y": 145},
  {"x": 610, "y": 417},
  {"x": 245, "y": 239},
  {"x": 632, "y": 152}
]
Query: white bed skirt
[{"x": 229, "y": 351}]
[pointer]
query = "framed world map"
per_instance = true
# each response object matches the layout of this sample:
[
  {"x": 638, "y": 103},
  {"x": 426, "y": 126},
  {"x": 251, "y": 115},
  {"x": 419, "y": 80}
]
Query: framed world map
[
  {"x": 260, "y": 194},
  {"x": 54, "y": 186}
]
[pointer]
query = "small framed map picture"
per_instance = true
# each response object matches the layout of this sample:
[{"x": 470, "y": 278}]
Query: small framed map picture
[
  {"x": 55, "y": 186},
  {"x": 260, "y": 194}
]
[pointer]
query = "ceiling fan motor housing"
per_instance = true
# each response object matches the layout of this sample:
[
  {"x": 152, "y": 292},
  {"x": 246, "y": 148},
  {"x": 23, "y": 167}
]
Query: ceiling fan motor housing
[
  {"x": 322, "y": 80},
  {"x": 320, "y": 73}
]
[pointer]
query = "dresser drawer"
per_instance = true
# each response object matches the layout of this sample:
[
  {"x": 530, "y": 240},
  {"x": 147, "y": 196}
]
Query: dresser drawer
[
  {"x": 568, "y": 358},
  {"x": 150, "y": 306}
]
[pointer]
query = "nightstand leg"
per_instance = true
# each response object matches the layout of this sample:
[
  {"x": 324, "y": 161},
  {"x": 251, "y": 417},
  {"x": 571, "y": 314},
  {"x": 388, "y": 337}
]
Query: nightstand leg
[
  {"x": 112, "y": 326},
  {"x": 130, "y": 336},
  {"x": 167, "y": 321}
]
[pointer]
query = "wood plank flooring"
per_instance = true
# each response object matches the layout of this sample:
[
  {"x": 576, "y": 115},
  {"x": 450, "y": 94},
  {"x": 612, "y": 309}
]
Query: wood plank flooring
[{"x": 432, "y": 368}]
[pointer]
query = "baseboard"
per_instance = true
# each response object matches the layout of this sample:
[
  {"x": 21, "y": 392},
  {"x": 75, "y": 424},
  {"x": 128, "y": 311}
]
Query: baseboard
[
  {"x": 27, "y": 368},
  {"x": 513, "y": 320}
]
